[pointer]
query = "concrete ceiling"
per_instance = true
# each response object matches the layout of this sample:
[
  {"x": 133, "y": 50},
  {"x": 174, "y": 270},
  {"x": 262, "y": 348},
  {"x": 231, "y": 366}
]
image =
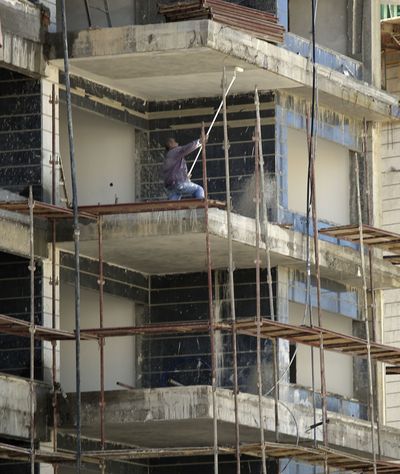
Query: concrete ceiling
[
  {"x": 176, "y": 74},
  {"x": 171, "y": 253}
]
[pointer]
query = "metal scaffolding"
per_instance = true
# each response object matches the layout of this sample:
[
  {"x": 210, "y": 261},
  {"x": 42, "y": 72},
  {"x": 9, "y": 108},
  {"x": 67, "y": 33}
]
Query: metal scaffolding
[{"x": 261, "y": 327}]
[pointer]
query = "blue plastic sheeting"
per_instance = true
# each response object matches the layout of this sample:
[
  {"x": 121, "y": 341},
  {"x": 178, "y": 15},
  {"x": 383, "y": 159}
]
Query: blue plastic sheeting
[{"x": 325, "y": 57}]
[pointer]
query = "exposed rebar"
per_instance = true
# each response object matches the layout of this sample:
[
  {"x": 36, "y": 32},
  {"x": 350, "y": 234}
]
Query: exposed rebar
[{"x": 76, "y": 240}]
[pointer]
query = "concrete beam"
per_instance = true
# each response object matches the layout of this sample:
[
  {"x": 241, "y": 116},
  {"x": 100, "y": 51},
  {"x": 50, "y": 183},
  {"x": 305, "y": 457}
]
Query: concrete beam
[
  {"x": 150, "y": 242},
  {"x": 23, "y": 35},
  {"x": 15, "y": 408},
  {"x": 180, "y": 60},
  {"x": 183, "y": 415}
]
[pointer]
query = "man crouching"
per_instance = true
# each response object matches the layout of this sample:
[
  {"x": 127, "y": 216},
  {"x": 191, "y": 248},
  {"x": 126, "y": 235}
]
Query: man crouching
[{"x": 175, "y": 173}]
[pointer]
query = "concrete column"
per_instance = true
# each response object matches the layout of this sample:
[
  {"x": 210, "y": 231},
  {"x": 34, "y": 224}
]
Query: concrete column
[
  {"x": 46, "y": 93},
  {"x": 371, "y": 42},
  {"x": 281, "y": 164},
  {"x": 282, "y": 315},
  {"x": 47, "y": 315}
]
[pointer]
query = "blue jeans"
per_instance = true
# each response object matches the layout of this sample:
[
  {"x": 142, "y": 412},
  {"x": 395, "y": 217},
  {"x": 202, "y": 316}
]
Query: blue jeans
[{"x": 193, "y": 189}]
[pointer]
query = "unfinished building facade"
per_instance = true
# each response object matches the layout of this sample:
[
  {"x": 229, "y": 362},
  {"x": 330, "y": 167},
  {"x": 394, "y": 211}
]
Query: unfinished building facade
[{"x": 217, "y": 335}]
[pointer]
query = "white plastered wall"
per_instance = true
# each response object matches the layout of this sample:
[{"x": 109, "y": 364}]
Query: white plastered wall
[
  {"x": 338, "y": 367},
  {"x": 105, "y": 156},
  {"x": 119, "y": 352},
  {"x": 332, "y": 176}
]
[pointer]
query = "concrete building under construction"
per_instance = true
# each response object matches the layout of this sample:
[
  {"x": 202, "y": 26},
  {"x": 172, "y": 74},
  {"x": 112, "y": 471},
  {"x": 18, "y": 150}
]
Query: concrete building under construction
[{"x": 256, "y": 330}]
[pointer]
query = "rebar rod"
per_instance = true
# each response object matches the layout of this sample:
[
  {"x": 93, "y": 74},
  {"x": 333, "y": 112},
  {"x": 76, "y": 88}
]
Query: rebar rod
[
  {"x": 264, "y": 216},
  {"x": 210, "y": 305},
  {"x": 32, "y": 332},
  {"x": 365, "y": 310},
  {"x": 230, "y": 272},
  {"x": 76, "y": 241},
  {"x": 258, "y": 300},
  {"x": 101, "y": 339}
]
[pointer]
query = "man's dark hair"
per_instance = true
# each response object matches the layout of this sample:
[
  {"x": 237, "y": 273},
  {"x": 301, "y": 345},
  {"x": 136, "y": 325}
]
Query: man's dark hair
[{"x": 169, "y": 142}]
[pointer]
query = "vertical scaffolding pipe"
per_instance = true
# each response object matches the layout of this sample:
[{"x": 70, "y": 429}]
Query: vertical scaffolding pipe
[
  {"x": 88, "y": 15},
  {"x": 107, "y": 12},
  {"x": 101, "y": 339},
  {"x": 32, "y": 332},
  {"x": 53, "y": 271},
  {"x": 308, "y": 284},
  {"x": 76, "y": 242},
  {"x": 365, "y": 308},
  {"x": 210, "y": 303},
  {"x": 268, "y": 257},
  {"x": 312, "y": 178},
  {"x": 371, "y": 273},
  {"x": 258, "y": 301},
  {"x": 230, "y": 271}
]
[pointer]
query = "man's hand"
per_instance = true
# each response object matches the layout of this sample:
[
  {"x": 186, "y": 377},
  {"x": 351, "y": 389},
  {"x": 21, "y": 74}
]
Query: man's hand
[{"x": 189, "y": 175}]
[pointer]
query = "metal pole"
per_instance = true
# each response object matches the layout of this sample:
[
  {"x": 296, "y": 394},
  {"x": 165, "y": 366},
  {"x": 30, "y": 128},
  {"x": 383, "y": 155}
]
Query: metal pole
[
  {"x": 371, "y": 275},
  {"x": 308, "y": 283},
  {"x": 210, "y": 305},
  {"x": 32, "y": 331},
  {"x": 365, "y": 307},
  {"x": 76, "y": 242},
  {"x": 213, "y": 120},
  {"x": 258, "y": 301},
  {"x": 53, "y": 271},
  {"x": 101, "y": 339},
  {"x": 318, "y": 279},
  {"x": 88, "y": 15},
  {"x": 231, "y": 270},
  {"x": 107, "y": 12},
  {"x": 268, "y": 257}
]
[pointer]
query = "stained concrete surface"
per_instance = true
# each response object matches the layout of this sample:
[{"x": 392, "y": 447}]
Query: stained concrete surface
[
  {"x": 185, "y": 59},
  {"x": 15, "y": 408},
  {"x": 174, "y": 242},
  {"x": 182, "y": 416}
]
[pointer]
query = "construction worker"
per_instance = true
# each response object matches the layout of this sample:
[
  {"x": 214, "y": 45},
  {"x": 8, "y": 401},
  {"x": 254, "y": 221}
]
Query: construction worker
[{"x": 175, "y": 173}]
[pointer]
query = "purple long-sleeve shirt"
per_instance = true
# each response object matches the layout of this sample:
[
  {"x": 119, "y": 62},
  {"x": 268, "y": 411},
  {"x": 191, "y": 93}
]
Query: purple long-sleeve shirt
[{"x": 175, "y": 169}]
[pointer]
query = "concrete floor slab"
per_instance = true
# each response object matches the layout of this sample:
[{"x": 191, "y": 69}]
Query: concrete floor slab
[
  {"x": 182, "y": 416},
  {"x": 185, "y": 59},
  {"x": 174, "y": 242}
]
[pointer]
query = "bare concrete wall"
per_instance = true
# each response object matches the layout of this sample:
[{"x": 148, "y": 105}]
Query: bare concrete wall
[
  {"x": 105, "y": 155},
  {"x": 119, "y": 352},
  {"x": 338, "y": 367},
  {"x": 331, "y": 22},
  {"x": 333, "y": 177}
]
